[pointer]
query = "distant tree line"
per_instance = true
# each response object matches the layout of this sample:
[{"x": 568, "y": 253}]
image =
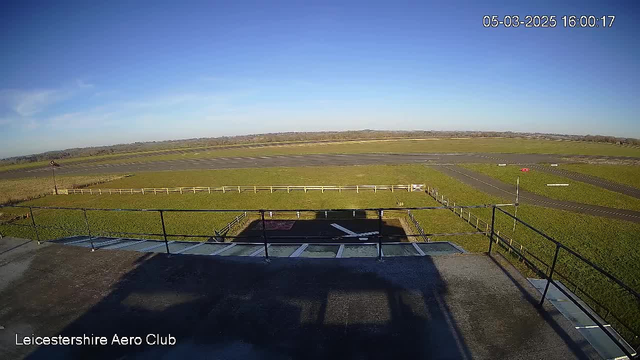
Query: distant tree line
[{"x": 299, "y": 136}]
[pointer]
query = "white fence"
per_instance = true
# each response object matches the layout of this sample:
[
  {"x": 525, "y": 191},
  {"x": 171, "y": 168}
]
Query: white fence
[{"x": 245, "y": 188}]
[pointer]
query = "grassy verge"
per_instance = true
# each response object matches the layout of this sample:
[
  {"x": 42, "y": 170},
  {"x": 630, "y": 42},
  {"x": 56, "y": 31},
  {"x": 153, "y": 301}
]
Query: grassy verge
[
  {"x": 327, "y": 175},
  {"x": 577, "y": 191},
  {"x": 29, "y": 188},
  {"x": 623, "y": 174}
]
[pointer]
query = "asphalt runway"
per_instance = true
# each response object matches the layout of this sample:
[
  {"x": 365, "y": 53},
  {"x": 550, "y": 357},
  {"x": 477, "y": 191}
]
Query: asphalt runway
[
  {"x": 285, "y": 161},
  {"x": 496, "y": 187}
]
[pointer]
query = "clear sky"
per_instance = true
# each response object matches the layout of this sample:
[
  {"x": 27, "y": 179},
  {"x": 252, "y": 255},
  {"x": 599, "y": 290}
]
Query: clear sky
[{"x": 103, "y": 72}]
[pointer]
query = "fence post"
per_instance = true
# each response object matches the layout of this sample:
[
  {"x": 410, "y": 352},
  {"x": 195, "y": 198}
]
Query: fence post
[
  {"x": 264, "y": 236},
  {"x": 493, "y": 221},
  {"x": 379, "y": 234},
  {"x": 86, "y": 221},
  {"x": 553, "y": 266},
  {"x": 164, "y": 232},
  {"x": 35, "y": 228}
]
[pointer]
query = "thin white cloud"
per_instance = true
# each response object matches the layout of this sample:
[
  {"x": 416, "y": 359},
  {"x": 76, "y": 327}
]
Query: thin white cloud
[
  {"x": 146, "y": 110},
  {"x": 27, "y": 103},
  {"x": 83, "y": 85}
]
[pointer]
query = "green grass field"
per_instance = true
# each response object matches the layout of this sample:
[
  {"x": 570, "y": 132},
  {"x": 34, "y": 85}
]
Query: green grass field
[
  {"x": 623, "y": 174},
  {"x": 488, "y": 145},
  {"x": 24, "y": 189},
  {"x": 536, "y": 182}
]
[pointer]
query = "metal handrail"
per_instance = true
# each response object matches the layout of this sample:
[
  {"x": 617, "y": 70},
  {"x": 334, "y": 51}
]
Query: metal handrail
[
  {"x": 550, "y": 279},
  {"x": 574, "y": 253},
  {"x": 379, "y": 236}
]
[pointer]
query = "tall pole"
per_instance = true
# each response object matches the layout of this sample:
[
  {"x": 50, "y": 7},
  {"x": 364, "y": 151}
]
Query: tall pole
[
  {"x": 515, "y": 215},
  {"x": 53, "y": 173},
  {"x": 264, "y": 236},
  {"x": 493, "y": 221},
  {"x": 380, "y": 235},
  {"x": 164, "y": 232}
]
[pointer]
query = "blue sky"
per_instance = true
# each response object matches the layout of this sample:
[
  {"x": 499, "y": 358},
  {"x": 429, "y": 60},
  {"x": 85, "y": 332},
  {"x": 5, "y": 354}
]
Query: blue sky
[{"x": 81, "y": 73}]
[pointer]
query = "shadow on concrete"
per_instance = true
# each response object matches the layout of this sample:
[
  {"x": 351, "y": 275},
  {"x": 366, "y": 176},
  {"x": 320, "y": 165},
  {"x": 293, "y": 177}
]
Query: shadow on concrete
[
  {"x": 548, "y": 312},
  {"x": 247, "y": 309}
]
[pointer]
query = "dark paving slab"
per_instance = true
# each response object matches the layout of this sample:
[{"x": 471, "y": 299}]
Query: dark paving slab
[
  {"x": 206, "y": 249},
  {"x": 174, "y": 247},
  {"x": 399, "y": 250},
  {"x": 438, "y": 248},
  {"x": 355, "y": 251},
  {"x": 507, "y": 192},
  {"x": 241, "y": 250},
  {"x": 282, "y": 250},
  {"x": 447, "y": 307},
  {"x": 320, "y": 251}
]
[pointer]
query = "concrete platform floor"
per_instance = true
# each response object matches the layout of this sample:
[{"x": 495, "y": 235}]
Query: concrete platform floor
[{"x": 446, "y": 307}]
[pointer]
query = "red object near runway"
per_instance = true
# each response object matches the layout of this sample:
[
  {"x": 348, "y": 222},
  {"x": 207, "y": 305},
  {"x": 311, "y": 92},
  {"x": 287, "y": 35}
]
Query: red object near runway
[{"x": 524, "y": 169}]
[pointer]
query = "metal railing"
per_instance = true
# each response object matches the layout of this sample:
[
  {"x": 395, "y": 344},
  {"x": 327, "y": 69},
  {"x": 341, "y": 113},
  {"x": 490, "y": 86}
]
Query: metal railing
[
  {"x": 418, "y": 227},
  {"x": 233, "y": 223},
  {"x": 246, "y": 188},
  {"x": 266, "y": 239},
  {"x": 529, "y": 258},
  {"x": 551, "y": 271}
]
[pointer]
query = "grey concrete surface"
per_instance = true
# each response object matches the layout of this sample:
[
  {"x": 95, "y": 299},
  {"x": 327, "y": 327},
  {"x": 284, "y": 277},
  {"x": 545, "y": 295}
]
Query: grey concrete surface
[
  {"x": 507, "y": 192},
  {"x": 446, "y": 307}
]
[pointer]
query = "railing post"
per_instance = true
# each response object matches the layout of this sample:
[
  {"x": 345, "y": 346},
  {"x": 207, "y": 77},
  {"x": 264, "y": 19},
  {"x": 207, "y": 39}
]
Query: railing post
[
  {"x": 264, "y": 236},
  {"x": 493, "y": 221},
  {"x": 35, "y": 228},
  {"x": 164, "y": 231},
  {"x": 553, "y": 266},
  {"x": 379, "y": 234},
  {"x": 86, "y": 221}
]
